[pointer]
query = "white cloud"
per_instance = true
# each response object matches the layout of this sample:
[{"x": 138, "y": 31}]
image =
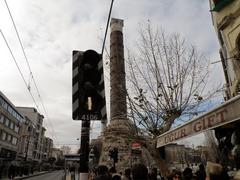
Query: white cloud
[{"x": 50, "y": 30}]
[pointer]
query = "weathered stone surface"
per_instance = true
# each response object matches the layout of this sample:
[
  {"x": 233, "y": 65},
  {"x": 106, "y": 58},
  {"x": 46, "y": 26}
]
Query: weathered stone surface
[{"x": 121, "y": 132}]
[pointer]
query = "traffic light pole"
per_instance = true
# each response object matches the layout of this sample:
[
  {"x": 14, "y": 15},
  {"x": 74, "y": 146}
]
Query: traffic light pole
[
  {"x": 84, "y": 149},
  {"x": 88, "y": 98}
]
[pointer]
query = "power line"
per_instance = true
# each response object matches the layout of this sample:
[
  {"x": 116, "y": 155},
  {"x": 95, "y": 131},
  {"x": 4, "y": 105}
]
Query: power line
[
  {"x": 66, "y": 144},
  {"x": 18, "y": 68},
  {"x": 223, "y": 59},
  {"x": 31, "y": 73},
  {"x": 109, "y": 15}
]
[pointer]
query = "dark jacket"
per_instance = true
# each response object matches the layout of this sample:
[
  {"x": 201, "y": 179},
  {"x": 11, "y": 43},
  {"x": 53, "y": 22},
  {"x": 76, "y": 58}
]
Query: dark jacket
[{"x": 102, "y": 177}]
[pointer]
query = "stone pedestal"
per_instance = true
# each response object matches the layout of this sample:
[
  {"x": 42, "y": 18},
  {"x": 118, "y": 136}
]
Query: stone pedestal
[{"x": 121, "y": 134}]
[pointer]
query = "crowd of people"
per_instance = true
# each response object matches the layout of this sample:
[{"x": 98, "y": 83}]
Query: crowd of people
[
  {"x": 137, "y": 172},
  {"x": 14, "y": 170},
  {"x": 212, "y": 171}
]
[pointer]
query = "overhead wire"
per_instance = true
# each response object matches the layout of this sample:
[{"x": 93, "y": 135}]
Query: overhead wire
[
  {"x": 104, "y": 40},
  {"x": 25, "y": 82},
  {"x": 31, "y": 73},
  {"x": 105, "y": 36}
]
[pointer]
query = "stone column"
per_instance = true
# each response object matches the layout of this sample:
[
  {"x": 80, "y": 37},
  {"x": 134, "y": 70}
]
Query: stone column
[{"x": 118, "y": 105}]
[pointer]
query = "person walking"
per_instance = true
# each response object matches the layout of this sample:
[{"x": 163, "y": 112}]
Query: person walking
[
  {"x": 102, "y": 173},
  {"x": 153, "y": 174},
  {"x": 201, "y": 173},
  {"x": 139, "y": 172},
  {"x": 187, "y": 174},
  {"x": 11, "y": 171},
  {"x": 127, "y": 174},
  {"x": 213, "y": 171}
]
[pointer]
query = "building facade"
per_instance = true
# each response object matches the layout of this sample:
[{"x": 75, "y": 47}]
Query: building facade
[
  {"x": 47, "y": 148},
  {"x": 27, "y": 139},
  {"x": 37, "y": 121},
  {"x": 179, "y": 156},
  {"x": 10, "y": 123},
  {"x": 226, "y": 21}
]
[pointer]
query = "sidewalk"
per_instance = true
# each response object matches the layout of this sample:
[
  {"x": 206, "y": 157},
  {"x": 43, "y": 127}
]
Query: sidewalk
[
  {"x": 24, "y": 176},
  {"x": 71, "y": 176}
]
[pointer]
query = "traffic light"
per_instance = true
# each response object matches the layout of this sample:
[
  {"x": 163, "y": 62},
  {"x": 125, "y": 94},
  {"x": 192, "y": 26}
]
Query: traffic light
[
  {"x": 89, "y": 80},
  {"x": 113, "y": 153}
]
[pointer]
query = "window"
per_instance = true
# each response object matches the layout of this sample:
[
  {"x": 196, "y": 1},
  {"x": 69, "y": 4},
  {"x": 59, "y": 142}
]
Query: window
[
  {"x": 19, "y": 118},
  {"x": 10, "y": 110},
  {"x": 9, "y": 137},
  {"x": 16, "y": 129},
  {"x": 5, "y": 105},
  {"x": 1, "y": 118},
  {"x": 7, "y": 122},
  {"x": 14, "y": 114},
  {"x": 11, "y": 125},
  {"x": 1, "y": 101},
  {"x": 4, "y": 135},
  {"x": 14, "y": 140}
]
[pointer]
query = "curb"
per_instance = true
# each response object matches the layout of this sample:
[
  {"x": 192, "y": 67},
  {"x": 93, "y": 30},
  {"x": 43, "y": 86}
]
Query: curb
[
  {"x": 33, "y": 175},
  {"x": 25, "y": 177}
]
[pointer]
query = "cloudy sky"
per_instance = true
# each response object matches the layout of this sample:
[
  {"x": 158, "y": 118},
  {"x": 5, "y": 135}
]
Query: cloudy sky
[{"x": 50, "y": 30}]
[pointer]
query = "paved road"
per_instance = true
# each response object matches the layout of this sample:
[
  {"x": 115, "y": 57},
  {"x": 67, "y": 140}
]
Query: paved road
[{"x": 56, "y": 175}]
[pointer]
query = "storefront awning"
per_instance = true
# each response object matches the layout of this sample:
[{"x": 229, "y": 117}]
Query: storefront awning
[{"x": 224, "y": 114}]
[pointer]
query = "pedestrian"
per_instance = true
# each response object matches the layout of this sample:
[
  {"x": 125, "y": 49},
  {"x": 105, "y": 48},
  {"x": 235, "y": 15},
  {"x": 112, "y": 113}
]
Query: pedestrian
[
  {"x": 213, "y": 171},
  {"x": 139, "y": 172},
  {"x": 177, "y": 175},
  {"x": 31, "y": 169},
  {"x": 112, "y": 171},
  {"x": 201, "y": 173},
  {"x": 237, "y": 175},
  {"x": 116, "y": 177},
  {"x": 153, "y": 174},
  {"x": 11, "y": 171},
  {"x": 127, "y": 174},
  {"x": 187, "y": 174},
  {"x": 102, "y": 173},
  {"x": 1, "y": 170},
  {"x": 224, "y": 174}
]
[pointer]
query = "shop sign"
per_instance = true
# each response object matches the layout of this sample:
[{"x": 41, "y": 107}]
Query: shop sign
[
  {"x": 136, "y": 145},
  {"x": 226, "y": 113}
]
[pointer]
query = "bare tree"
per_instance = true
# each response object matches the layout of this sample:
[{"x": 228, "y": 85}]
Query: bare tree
[{"x": 166, "y": 81}]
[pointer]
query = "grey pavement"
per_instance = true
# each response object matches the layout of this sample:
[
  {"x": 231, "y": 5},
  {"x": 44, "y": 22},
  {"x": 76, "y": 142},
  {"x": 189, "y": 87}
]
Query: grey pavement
[{"x": 56, "y": 175}]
